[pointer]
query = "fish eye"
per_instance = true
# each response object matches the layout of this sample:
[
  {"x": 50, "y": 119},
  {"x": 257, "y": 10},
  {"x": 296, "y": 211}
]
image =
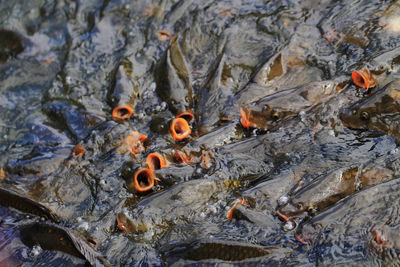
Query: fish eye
[
  {"x": 312, "y": 210},
  {"x": 265, "y": 107},
  {"x": 275, "y": 116},
  {"x": 364, "y": 115}
]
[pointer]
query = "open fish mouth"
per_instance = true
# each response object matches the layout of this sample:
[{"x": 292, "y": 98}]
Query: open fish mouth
[
  {"x": 245, "y": 118},
  {"x": 122, "y": 112},
  {"x": 180, "y": 129}
]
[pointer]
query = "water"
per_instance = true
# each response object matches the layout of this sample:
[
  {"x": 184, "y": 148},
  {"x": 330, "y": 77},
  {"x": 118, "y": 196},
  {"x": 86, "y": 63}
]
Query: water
[{"x": 65, "y": 65}]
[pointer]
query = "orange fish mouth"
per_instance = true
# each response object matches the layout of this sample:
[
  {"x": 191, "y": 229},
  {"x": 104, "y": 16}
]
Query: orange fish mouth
[
  {"x": 245, "y": 118},
  {"x": 144, "y": 180},
  {"x": 187, "y": 115},
  {"x": 180, "y": 129},
  {"x": 163, "y": 35},
  {"x": 239, "y": 201},
  {"x": 136, "y": 142},
  {"x": 362, "y": 78},
  {"x": 156, "y": 161},
  {"x": 122, "y": 112},
  {"x": 78, "y": 151}
]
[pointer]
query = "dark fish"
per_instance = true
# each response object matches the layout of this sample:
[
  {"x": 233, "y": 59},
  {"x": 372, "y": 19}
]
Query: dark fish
[
  {"x": 39, "y": 132},
  {"x": 173, "y": 80},
  {"x": 54, "y": 237},
  {"x": 176, "y": 205},
  {"x": 76, "y": 121},
  {"x": 378, "y": 112},
  {"x": 40, "y": 161},
  {"x": 213, "y": 96},
  {"x": 198, "y": 250},
  {"x": 267, "y": 112},
  {"x": 122, "y": 95},
  {"x": 12, "y": 199}
]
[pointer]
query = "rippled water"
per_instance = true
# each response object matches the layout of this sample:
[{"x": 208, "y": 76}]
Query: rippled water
[{"x": 278, "y": 127}]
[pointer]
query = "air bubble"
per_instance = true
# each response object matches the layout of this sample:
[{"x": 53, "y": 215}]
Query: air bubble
[
  {"x": 83, "y": 226},
  {"x": 283, "y": 200},
  {"x": 289, "y": 226},
  {"x": 153, "y": 86}
]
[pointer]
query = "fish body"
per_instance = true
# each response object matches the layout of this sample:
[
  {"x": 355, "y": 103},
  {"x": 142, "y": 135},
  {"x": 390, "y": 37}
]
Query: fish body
[
  {"x": 176, "y": 205},
  {"x": 323, "y": 192},
  {"x": 122, "y": 95},
  {"x": 214, "y": 249},
  {"x": 174, "y": 83}
]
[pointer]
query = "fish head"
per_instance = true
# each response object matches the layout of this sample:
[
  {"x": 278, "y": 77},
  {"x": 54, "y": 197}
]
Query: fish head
[
  {"x": 378, "y": 112},
  {"x": 263, "y": 116}
]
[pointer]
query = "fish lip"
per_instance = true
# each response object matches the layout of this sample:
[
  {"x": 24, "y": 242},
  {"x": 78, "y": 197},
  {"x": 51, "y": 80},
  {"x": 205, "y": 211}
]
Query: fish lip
[
  {"x": 163, "y": 35},
  {"x": 239, "y": 201},
  {"x": 245, "y": 120},
  {"x": 180, "y": 129},
  {"x": 149, "y": 175},
  {"x": 156, "y": 156},
  {"x": 187, "y": 115},
  {"x": 122, "y": 112},
  {"x": 363, "y": 78}
]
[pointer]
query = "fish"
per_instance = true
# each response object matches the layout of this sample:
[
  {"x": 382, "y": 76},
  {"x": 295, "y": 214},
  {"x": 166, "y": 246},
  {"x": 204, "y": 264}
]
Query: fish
[
  {"x": 9, "y": 198},
  {"x": 226, "y": 250},
  {"x": 267, "y": 112},
  {"x": 212, "y": 96},
  {"x": 174, "y": 206},
  {"x": 217, "y": 251},
  {"x": 272, "y": 78},
  {"x": 54, "y": 237},
  {"x": 343, "y": 227},
  {"x": 380, "y": 111},
  {"x": 323, "y": 192},
  {"x": 39, "y": 161},
  {"x": 122, "y": 95},
  {"x": 77, "y": 122},
  {"x": 267, "y": 194},
  {"x": 174, "y": 82}
]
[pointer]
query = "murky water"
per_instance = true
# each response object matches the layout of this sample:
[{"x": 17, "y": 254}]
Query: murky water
[{"x": 267, "y": 152}]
